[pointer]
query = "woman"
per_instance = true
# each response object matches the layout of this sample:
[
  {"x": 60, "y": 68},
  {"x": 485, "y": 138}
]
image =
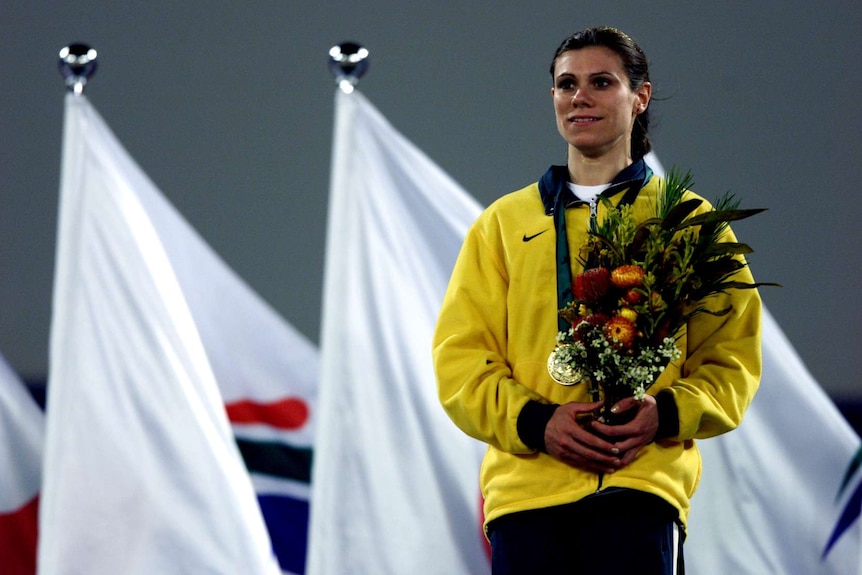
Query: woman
[{"x": 563, "y": 496}]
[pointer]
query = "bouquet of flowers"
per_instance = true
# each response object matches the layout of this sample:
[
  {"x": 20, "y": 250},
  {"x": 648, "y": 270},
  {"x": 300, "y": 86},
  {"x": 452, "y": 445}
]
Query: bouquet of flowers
[{"x": 642, "y": 282}]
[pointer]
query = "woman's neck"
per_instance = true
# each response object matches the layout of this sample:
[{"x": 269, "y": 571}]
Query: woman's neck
[{"x": 588, "y": 171}]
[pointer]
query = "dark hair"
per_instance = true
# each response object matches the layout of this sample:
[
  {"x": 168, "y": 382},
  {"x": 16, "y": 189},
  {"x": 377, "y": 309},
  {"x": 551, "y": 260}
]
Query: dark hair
[{"x": 636, "y": 67}]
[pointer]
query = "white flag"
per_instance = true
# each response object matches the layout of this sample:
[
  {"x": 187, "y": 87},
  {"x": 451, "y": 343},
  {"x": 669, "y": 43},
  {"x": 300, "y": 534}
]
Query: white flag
[
  {"x": 141, "y": 471},
  {"x": 772, "y": 498},
  {"x": 267, "y": 373},
  {"x": 395, "y": 483},
  {"x": 22, "y": 432}
]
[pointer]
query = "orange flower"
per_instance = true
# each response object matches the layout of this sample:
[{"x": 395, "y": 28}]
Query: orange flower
[
  {"x": 620, "y": 331},
  {"x": 590, "y": 285},
  {"x": 627, "y": 276}
]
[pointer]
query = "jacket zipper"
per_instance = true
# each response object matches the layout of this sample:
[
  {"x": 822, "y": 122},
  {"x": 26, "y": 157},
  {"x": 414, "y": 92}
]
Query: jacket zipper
[
  {"x": 594, "y": 227},
  {"x": 594, "y": 215}
]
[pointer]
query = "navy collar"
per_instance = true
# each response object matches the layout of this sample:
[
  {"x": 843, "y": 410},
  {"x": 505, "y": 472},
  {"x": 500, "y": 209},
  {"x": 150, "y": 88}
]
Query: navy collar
[{"x": 554, "y": 182}]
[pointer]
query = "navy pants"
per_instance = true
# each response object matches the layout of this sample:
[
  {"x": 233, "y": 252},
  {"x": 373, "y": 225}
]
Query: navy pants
[{"x": 618, "y": 532}]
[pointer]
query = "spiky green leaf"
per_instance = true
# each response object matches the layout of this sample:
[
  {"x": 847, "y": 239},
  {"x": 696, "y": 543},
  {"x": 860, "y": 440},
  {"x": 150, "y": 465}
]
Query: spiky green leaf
[
  {"x": 675, "y": 217},
  {"x": 726, "y": 249}
]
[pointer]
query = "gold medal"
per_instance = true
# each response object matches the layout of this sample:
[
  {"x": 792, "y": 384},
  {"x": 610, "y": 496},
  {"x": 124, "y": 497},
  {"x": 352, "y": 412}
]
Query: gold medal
[{"x": 561, "y": 366}]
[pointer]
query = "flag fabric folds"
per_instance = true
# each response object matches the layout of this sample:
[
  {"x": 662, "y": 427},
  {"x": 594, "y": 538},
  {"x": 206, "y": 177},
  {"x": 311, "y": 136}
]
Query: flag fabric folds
[
  {"x": 395, "y": 483},
  {"x": 267, "y": 373},
  {"x": 141, "y": 471},
  {"x": 771, "y": 493},
  {"x": 22, "y": 432}
]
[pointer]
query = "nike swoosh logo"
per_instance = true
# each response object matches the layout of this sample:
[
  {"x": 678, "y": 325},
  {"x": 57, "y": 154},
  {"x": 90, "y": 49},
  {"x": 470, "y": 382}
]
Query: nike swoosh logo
[{"x": 528, "y": 238}]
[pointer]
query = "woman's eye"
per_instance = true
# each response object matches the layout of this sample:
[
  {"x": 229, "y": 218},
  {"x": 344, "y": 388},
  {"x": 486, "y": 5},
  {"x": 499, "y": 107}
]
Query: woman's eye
[{"x": 601, "y": 82}]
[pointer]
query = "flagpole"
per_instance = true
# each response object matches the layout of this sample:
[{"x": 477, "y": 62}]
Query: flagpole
[
  {"x": 348, "y": 62},
  {"x": 77, "y": 65}
]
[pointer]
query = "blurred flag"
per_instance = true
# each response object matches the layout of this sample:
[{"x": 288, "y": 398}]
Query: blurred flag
[
  {"x": 395, "y": 485},
  {"x": 22, "y": 432},
  {"x": 781, "y": 493},
  {"x": 141, "y": 471},
  {"x": 267, "y": 373}
]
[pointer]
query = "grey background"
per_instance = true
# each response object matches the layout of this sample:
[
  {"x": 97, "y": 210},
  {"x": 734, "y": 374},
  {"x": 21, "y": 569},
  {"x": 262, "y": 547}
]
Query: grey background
[{"x": 229, "y": 108}]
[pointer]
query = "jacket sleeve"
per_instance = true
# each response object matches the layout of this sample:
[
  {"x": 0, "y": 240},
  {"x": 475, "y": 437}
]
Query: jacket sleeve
[
  {"x": 722, "y": 365},
  {"x": 474, "y": 381}
]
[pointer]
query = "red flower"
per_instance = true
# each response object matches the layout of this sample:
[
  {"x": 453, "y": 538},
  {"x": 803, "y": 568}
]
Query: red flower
[
  {"x": 633, "y": 297},
  {"x": 590, "y": 285},
  {"x": 585, "y": 326}
]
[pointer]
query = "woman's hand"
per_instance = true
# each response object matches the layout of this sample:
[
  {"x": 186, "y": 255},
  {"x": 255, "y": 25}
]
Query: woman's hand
[
  {"x": 574, "y": 437},
  {"x": 567, "y": 440},
  {"x": 631, "y": 437}
]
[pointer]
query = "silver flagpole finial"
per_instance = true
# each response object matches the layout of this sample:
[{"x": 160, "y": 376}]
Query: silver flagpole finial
[
  {"x": 348, "y": 62},
  {"x": 77, "y": 65}
]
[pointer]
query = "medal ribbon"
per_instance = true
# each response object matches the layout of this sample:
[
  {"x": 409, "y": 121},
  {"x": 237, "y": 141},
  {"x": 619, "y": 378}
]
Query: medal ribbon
[{"x": 557, "y": 196}]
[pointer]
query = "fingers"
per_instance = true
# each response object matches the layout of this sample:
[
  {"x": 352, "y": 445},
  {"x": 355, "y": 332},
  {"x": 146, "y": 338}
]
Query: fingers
[
  {"x": 567, "y": 440},
  {"x": 575, "y": 437},
  {"x": 583, "y": 407},
  {"x": 583, "y": 457},
  {"x": 631, "y": 437}
]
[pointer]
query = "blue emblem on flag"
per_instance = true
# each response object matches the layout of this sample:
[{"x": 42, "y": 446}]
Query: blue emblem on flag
[{"x": 852, "y": 508}]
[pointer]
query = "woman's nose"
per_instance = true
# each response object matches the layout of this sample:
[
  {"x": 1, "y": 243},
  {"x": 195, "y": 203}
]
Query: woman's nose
[{"x": 580, "y": 96}]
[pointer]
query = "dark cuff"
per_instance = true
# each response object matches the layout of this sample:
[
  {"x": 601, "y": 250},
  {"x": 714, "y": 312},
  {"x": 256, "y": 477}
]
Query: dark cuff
[
  {"x": 668, "y": 416},
  {"x": 532, "y": 422}
]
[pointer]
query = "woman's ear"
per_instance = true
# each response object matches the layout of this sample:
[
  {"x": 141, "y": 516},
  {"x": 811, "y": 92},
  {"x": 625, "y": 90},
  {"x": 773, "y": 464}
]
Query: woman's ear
[{"x": 643, "y": 95}]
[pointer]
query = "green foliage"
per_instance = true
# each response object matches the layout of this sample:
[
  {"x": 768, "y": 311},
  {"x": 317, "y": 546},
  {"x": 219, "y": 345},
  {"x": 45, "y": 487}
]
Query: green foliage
[
  {"x": 645, "y": 279},
  {"x": 681, "y": 249}
]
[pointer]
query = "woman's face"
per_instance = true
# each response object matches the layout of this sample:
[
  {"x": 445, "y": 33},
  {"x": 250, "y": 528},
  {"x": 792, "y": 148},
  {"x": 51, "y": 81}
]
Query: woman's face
[{"x": 594, "y": 106}]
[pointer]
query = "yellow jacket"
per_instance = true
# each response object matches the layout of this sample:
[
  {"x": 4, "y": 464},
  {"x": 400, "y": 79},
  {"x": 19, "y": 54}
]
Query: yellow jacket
[{"x": 498, "y": 324}]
